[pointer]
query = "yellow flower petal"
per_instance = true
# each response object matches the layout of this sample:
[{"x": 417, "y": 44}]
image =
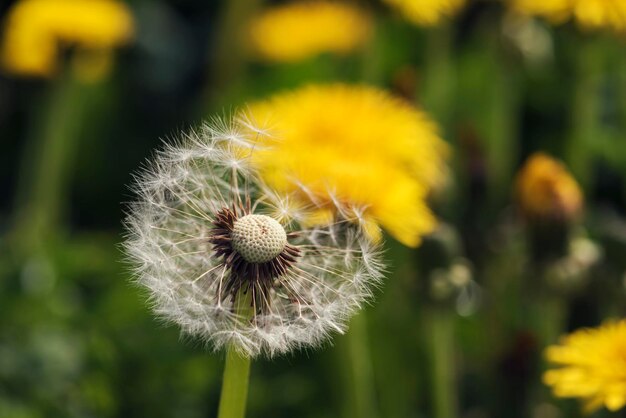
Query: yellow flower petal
[{"x": 591, "y": 365}]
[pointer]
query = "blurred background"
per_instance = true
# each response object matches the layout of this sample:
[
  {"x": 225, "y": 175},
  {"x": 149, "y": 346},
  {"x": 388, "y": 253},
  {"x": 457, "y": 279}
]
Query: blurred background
[{"x": 88, "y": 91}]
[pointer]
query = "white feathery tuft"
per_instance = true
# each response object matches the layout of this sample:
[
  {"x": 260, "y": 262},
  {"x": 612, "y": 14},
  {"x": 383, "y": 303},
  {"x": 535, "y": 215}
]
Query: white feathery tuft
[{"x": 169, "y": 229}]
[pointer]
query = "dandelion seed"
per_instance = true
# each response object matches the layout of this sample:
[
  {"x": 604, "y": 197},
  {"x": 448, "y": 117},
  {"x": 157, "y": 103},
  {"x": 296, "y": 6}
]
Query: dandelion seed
[{"x": 206, "y": 230}]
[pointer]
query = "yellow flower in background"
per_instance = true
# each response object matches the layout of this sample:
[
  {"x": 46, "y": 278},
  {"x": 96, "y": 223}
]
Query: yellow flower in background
[
  {"x": 358, "y": 145},
  {"x": 427, "y": 12},
  {"x": 546, "y": 190},
  {"x": 37, "y": 30},
  {"x": 591, "y": 14},
  {"x": 591, "y": 366},
  {"x": 298, "y": 31},
  {"x": 601, "y": 14}
]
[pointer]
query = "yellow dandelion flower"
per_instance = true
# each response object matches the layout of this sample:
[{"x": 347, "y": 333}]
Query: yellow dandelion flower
[
  {"x": 591, "y": 365},
  {"x": 427, "y": 12},
  {"x": 298, "y": 31},
  {"x": 596, "y": 14},
  {"x": 359, "y": 145},
  {"x": 591, "y": 14},
  {"x": 546, "y": 190},
  {"x": 36, "y": 30}
]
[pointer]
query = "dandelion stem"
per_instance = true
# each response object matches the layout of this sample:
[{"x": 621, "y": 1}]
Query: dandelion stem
[
  {"x": 236, "y": 370},
  {"x": 437, "y": 98},
  {"x": 371, "y": 63},
  {"x": 585, "y": 112},
  {"x": 436, "y": 91},
  {"x": 502, "y": 122},
  {"x": 549, "y": 244},
  {"x": 441, "y": 331},
  {"x": 235, "y": 385},
  {"x": 362, "y": 397},
  {"x": 47, "y": 163},
  {"x": 553, "y": 318},
  {"x": 229, "y": 55}
]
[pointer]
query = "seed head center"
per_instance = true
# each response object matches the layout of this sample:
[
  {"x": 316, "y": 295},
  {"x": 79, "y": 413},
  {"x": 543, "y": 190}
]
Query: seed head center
[{"x": 258, "y": 238}]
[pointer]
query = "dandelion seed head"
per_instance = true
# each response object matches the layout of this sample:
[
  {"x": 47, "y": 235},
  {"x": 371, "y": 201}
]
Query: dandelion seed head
[
  {"x": 258, "y": 238},
  {"x": 206, "y": 229}
]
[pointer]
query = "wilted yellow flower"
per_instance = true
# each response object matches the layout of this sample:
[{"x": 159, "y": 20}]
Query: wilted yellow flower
[
  {"x": 427, "y": 12},
  {"x": 297, "y": 31},
  {"x": 592, "y": 366},
  {"x": 37, "y": 30},
  {"x": 591, "y": 14},
  {"x": 546, "y": 190},
  {"x": 358, "y": 145}
]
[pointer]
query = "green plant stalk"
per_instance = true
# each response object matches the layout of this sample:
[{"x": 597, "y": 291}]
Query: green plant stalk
[
  {"x": 436, "y": 96},
  {"x": 362, "y": 393},
  {"x": 550, "y": 323},
  {"x": 234, "y": 393},
  {"x": 622, "y": 90},
  {"x": 585, "y": 112},
  {"x": 551, "y": 318},
  {"x": 46, "y": 164},
  {"x": 503, "y": 118},
  {"x": 435, "y": 93},
  {"x": 355, "y": 357},
  {"x": 235, "y": 385},
  {"x": 443, "y": 374},
  {"x": 372, "y": 71},
  {"x": 229, "y": 57}
]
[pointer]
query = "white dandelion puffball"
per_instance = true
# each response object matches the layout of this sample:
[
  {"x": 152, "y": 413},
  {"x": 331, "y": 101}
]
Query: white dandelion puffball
[{"x": 231, "y": 261}]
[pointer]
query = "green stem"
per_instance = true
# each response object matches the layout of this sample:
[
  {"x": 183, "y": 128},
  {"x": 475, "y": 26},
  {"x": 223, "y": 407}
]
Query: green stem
[
  {"x": 502, "y": 123},
  {"x": 46, "y": 164},
  {"x": 362, "y": 393},
  {"x": 585, "y": 112},
  {"x": 372, "y": 68},
  {"x": 443, "y": 373},
  {"x": 229, "y": 52},
  {"x": 235, "y": 385},
  {"x": 552, "y": 318},
  {"x": 550, "y": 322},
  {"x": 622, "y": 89},
  {"x": 356, "y": 357},
  {"x": 436, "y": 92},
  {"x": 236, "y": 370}
]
